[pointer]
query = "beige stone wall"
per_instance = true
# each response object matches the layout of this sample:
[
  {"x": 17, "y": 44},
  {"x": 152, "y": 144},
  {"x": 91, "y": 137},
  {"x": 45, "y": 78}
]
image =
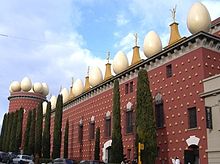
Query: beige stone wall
[{"x": 212, "y": 99}]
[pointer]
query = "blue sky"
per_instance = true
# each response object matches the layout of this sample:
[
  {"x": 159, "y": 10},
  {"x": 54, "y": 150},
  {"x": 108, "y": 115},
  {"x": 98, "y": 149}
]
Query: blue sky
[{"x": 52, "y": 41}]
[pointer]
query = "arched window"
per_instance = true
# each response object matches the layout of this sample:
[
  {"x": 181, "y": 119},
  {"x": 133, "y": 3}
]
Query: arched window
[
  {"x": 129, "y": 118},
  {"x": 92, "y": 128},
  {"x": 108, "y": 124},
  {"x": 159, "y": 111},
  {"x": 80, "y": 131}
]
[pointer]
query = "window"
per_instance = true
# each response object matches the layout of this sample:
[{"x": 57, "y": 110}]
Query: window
[
  {"x": 192, "y": 117},
  {"x": 80, "y": 133},
  {"x": 92, "y": 130},
  {"x": 108, "y": 127},
  {"x": 129, "y": 122},
  {"x": 208, "y": 117},
  {"x": 128, "y": 154},
  {"x": 131, "y": 86},
  {"x": 158, "y": 151},
  {"x": 169, "y": 70},
  {"x": 159, "y": 111},
  {"x": 126, "y": 88},
  {"x": 159, "y": 115}
]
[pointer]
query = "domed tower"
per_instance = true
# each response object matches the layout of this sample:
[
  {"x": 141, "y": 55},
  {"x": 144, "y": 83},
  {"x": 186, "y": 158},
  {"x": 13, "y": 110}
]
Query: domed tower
[{"x": 25, "y": 95}]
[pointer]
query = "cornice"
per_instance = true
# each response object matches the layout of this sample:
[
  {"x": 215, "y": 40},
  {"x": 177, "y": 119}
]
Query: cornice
[{"x": 184, "y": 46}]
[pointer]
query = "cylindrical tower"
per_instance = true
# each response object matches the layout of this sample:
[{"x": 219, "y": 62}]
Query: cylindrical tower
[{"x": 27, "y": 96}]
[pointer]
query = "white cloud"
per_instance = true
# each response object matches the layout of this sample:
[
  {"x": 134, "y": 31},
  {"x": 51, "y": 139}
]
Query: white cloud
[
  {"x": 121, "y": 20},
  {"x": 125, "y": 43},
  {"x": 213, "y": 8},
  {"x": 42, "y": 44}
]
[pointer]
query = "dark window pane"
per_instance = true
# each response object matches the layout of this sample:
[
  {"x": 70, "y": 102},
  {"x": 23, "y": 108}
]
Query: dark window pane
[
  {"x": 92, "y": 131},
  {"x": 192, "y": 117},
  {"x": 108, "y": 127},
  {"x": 126, "y": 88},
  {"x": 208, "y": 117},
  {"x": 131, "y": 86},
  {"x": 159, "y": 115},
  {"x": 129, "y": 122},
  {"x": 169, "y": 70},
  {"x": 80, "y": 133}
]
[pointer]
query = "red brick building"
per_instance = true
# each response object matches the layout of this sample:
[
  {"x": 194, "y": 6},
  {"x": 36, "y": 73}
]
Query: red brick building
[{"x": 175, "y": 74}]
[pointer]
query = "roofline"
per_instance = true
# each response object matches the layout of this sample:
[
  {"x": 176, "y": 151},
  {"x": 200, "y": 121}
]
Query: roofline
[{"x": 142, "y": 63}]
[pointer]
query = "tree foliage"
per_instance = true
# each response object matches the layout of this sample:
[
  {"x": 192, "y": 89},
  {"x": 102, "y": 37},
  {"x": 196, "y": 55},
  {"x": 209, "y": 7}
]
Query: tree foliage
[
  {"x": 38, "y": 130},
  {"x": 18, "y": 137},
  {"x": 117, "y": 145},
  {"x": 9, "y": 130},
  {"x": 5, "y": 133},
  {"x": 31, "y": 142},
  {"x": 3, "y": 130},
  {"x": 12, "y": 143},
  {"x": 57, "y": 127},
  {"x": 145, "y": 123},
  {"x": 97, "y": 144},
  {"x": 46, "y": 133},
  {"x": 66, "y": 137},
  {"x": 27, "y": 133}
]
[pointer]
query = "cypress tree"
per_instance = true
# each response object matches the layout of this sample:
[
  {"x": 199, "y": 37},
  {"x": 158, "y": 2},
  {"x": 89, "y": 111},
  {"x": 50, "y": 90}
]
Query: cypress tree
[
  {"x": 66, "y": 137},
  {"x": 97, "y": 144},
  {"x": 38, "y": 129},
  {"x": 3, "y": 130},
  {"x": 19, "y": 130},
  {"x": 46, "y": 133},
  {"x": 8, "y": 139},
  {"x": 27, "y": 133},
  {"x": 57, "y": 127},
  {"x": 145, "y": 123},
  {"x": 31, "y": 142},
  {"x": 13, "y": 132},
  {"x": 117, "y": 145}
]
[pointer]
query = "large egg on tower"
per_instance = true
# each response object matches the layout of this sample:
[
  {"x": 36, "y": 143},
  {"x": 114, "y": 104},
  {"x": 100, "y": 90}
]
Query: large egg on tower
[
  {"x": 198, "y": 18},
  {"x": 77, "y": 87},
  {"x": 120, "y": 62},
  {"x": 53, "y": 101},
  {"x": 44, "y": 107},
  {"x": 65, "y": 93},
  {"x": 152, "y": 44},
  {"x": 95, "y": 76},
  {"x": 26, "y": 84},
  {"x": 15, "y": 86},
  {"x": 37, "y": 87},
  {"x": 45, "y": 89}
]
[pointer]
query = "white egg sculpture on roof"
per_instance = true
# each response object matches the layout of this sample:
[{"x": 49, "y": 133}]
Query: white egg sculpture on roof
[
  {"x": 10, "y": 89},
  {"x": 15, "y": 86},
  {"x": 38, "y": 87},
  {"x": 198, "y": 18},
  {"x": 95, "y": 76},
  {"x": 53, "y": 101},
  {"x": 77, "y": 87},
  {"x": 44, "y": 107},
  {"x": 65, "y": 93},
  {"x": 45, "y": 89},
  {"x": 32, "y": 91},
  {"x": 120, "y": 62},
  {"x": 152, "y": 44},
  {"x": 26, "y": 84}
]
